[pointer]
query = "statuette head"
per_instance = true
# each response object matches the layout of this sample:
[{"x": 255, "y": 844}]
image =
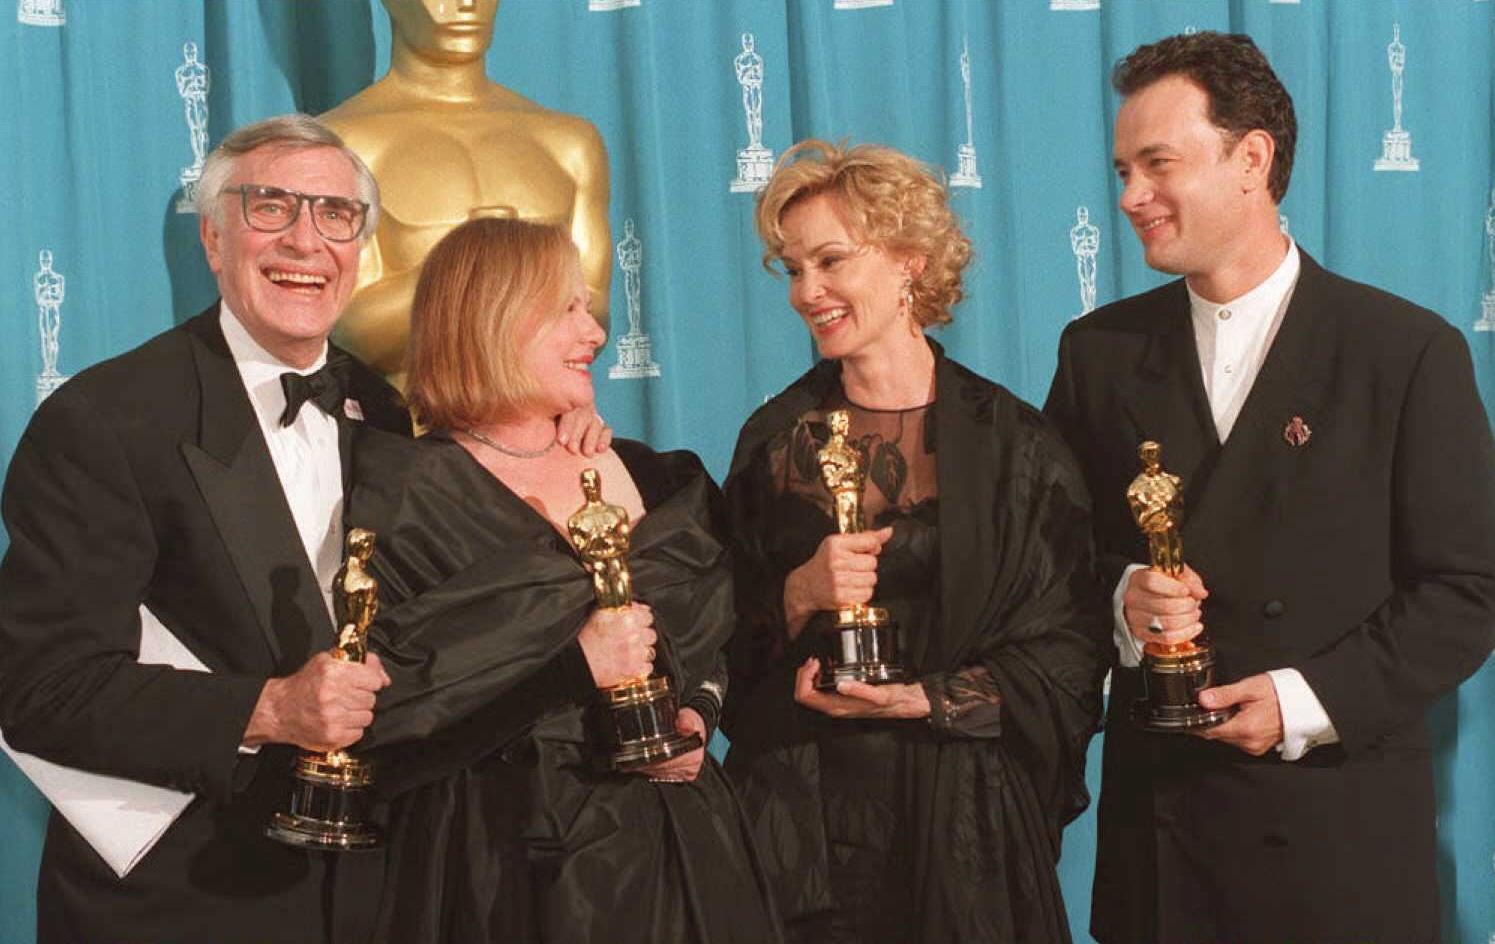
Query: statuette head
[
  {"x": 360, "y": 543},
  {"x": 1151, "y": 455},
  {"x": 591, "y": 485}
]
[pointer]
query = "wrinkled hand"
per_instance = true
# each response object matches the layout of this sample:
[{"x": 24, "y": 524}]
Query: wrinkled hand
[
  {"x": 1257, "y": 725},
  {"x": 858, "y": 699},
  {"x": 324, "y": 706},
  {"x": 686, "y": 767},
  {"x": 1174, "y": 603},
  {"x": 843, "y": 571},
  {"x": 619, "y": 644},
  {"x": 583, "y": 432}
]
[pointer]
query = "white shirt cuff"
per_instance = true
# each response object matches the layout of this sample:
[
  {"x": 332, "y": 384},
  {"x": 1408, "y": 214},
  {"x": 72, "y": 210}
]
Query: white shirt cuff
[
  {"x": 1127, "y": 647},
  {"x": 1305, "y": 723}
]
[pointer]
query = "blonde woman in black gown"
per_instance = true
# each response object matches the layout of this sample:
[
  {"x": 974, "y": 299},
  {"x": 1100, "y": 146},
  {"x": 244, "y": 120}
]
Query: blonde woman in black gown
[
  {"x": 928, "y": 810},
  {"x": 504, "y": 827}
]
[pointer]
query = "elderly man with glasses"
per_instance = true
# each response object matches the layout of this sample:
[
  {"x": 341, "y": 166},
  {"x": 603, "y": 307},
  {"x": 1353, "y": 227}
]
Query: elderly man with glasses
[{"x": 189, "y": 483}]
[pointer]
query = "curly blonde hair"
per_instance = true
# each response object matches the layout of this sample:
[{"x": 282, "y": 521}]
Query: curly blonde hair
[{"x": 886, "y": 199}]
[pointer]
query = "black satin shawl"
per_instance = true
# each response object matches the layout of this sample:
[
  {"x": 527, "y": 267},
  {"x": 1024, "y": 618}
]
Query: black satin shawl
[
  {"x": 481, "y": 599},
  {"x": 503, "y": 829},
  {"x": 1017, "y": 595}
]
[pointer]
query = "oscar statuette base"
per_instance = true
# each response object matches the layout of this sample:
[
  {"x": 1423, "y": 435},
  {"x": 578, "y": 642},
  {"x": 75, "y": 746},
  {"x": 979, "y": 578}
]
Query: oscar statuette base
[
  {"x": 329, "y": 805},
  {"x": 754, "y": 167},
  {"x": 1174, "y": 680},
  {"x": 862, "y": 646},
  {"x": 639, "y": 722}
]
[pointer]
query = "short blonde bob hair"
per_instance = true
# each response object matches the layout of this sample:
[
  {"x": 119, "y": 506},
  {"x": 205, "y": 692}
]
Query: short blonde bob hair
[
  {"x": 885, "y": 198},
  {"x": 471, "y": 317}
]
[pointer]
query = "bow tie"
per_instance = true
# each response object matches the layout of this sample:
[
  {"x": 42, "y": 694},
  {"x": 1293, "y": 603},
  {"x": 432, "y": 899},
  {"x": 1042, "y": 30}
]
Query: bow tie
[{"x": 325, "y": 387}]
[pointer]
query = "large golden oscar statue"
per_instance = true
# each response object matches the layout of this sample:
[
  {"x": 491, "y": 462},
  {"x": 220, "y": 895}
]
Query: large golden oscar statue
[{"x": 448, "y": 145}]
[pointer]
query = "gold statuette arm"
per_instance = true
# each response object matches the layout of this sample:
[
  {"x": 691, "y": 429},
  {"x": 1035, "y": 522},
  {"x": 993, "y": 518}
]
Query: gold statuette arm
[{"x": 587, "y": 162}]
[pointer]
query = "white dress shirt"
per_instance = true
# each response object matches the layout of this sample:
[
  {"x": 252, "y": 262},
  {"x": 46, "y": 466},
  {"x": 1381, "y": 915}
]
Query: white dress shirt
[
  {"x": 306, "y": 453},
  {"x": 1233, "y": 339}
]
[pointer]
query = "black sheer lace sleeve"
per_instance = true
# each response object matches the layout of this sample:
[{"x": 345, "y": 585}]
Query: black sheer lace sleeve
[{"x": 964, "y": 703}]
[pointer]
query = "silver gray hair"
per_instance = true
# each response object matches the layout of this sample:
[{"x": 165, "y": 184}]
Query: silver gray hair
[{"x": 284, "y": 131}]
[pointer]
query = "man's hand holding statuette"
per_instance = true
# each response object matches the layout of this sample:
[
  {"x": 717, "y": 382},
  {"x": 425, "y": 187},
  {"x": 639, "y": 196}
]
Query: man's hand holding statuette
[
  {"x": 1256, "y": 726},
  {"x": 1153, "y": 599},
  {"x": 324, "y": 706}
]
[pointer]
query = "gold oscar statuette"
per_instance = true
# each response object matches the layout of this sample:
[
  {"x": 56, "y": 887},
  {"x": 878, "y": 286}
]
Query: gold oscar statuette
[
  {"x": 329, "y": 807},
  {"x": 638, "y": 716},
  {"x": 862, "y": 643},
  {"x": 447, "y": 145},
  {"x": 1173, "y": 674}
]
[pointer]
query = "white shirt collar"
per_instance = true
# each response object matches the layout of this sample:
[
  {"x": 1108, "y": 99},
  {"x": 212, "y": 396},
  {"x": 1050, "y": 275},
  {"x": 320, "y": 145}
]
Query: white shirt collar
[
  {"x": 260, "y": 369},
  {"x": 1232, "y": 338},
  {"x": 1262, "y": 302}
]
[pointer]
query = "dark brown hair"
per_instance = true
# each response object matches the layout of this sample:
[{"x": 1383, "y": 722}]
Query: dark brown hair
[{"x": 1244, "y": 93}]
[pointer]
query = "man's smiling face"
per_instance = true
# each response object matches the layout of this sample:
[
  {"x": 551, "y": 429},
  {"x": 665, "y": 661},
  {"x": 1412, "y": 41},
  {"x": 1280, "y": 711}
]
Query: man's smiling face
[
  {"x": 286, "y": 288},
  {"x": 1181, "y": 182}
]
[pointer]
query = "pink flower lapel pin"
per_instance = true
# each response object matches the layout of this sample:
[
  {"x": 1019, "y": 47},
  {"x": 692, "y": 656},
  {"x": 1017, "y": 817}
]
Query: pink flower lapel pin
[{"x": 1297, "y": 432}]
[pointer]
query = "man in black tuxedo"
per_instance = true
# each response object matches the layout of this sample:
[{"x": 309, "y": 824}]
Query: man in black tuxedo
[
  {"x": 187, "y": 476},
  {"x": 1339, "y": 484}
]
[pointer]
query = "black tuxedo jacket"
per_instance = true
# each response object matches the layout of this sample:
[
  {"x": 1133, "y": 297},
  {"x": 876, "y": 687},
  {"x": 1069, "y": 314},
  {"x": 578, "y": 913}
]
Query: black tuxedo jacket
[
  {"x": 1364, "y": 558},
  {"x": 146, "y": 479}
]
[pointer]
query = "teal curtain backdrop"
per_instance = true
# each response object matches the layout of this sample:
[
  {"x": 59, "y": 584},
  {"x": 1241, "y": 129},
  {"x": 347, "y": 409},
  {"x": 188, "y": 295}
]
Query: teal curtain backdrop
[{"x": 95, "y": 256}]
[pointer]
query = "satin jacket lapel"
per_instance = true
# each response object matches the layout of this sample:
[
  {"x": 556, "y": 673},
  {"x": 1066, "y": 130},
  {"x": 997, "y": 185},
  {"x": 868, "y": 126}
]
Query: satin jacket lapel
[
  {"x": 378, "y": 406},
  {"x": 241, "y": 488},
  {"x": 1257, "y": 462},
  {"x": 347, "y": 436},
  {"x": 1168, "y": 404},
  {"x": 347, "y": 441},
  {"x": 963, "y": 438}
]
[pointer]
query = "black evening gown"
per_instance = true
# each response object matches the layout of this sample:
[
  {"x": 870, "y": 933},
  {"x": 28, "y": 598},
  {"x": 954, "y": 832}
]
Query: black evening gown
[
  {"x": 503, "y": 828},
  {"x": 946, "y": 829}
]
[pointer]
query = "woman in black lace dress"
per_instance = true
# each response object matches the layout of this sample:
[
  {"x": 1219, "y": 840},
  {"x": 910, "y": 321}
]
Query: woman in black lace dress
[{"x": 928, "y": 810}]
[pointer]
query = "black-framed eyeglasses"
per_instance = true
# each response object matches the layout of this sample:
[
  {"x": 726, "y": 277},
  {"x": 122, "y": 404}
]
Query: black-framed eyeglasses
[{"x": 275, "y": 209}]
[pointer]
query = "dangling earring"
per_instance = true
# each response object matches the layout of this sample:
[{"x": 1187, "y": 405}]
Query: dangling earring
[{"x": 906, "y": 302}]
